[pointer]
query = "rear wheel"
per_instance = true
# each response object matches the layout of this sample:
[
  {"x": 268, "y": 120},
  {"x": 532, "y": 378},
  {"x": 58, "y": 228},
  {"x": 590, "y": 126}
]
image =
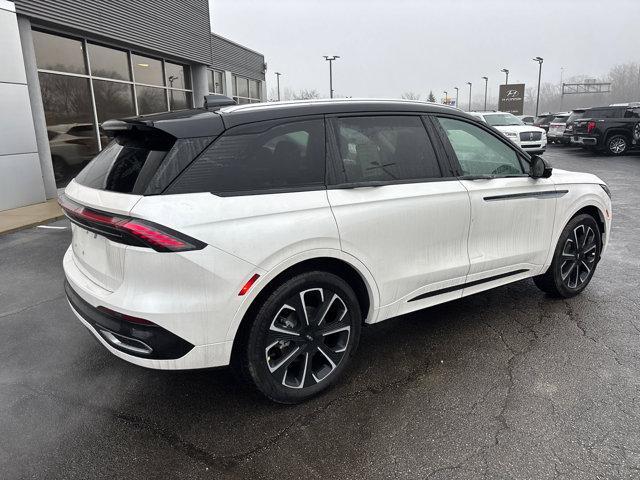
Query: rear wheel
[
  {"x": 574, "y": 260},
  {"x": 302, "y": 337},
  {"x": 617, "y": 145}
]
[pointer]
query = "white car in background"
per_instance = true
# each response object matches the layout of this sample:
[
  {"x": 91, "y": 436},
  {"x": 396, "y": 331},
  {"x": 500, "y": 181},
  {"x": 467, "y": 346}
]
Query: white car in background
[{"x": 531, "y": 139}]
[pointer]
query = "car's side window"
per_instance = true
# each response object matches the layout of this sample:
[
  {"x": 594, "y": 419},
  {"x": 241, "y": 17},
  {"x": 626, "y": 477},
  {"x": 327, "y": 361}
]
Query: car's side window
[
  {"x": 385, "y": 148},
  {"x": 479, "y": 152},
  {"x": 289, "y": 155}
]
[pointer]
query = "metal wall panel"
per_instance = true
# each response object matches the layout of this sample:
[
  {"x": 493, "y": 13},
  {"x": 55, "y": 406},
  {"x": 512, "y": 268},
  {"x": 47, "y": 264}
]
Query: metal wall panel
[
  {"x": 228, "y": 55},
  {"x": 178, "y": 28}
]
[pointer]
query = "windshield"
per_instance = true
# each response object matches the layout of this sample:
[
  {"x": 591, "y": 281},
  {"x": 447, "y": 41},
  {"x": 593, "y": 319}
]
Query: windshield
[{"x": 502, "y": 119}]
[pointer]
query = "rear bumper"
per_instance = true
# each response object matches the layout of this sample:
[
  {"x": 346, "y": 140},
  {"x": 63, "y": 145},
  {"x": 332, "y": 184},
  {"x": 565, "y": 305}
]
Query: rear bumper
[
  {"x": 195, "y": 326},
  {"x": 577, "y": 139},
  {"x": 144, "y": 341}
]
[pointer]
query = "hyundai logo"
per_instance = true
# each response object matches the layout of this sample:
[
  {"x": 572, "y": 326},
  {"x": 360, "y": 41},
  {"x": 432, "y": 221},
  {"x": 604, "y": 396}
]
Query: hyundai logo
[{"x": 512, "y": 93}]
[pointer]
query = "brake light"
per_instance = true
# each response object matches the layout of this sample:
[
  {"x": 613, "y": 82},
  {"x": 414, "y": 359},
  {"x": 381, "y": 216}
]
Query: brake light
[
  {"x": 154, "y": 236},
  {"x": 127, "y": 230},
  {"x": 591, "y": 126}
]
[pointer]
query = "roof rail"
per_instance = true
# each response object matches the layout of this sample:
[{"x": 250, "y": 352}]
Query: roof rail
[{"x": 215, "y": 101}]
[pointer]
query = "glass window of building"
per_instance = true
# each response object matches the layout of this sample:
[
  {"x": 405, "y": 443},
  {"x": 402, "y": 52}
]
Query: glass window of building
[
  {"x": 246, "y": 90},
  {"x": 151, "y": 100},
  {"x": 179, "y": 99},
  {"x": 147, "y": 70},
  {"x": 216, "y": 82},
  {"x": 108, "y": 62},
  {"x": 74, "y": 116},
  {"x": 177, "y": 76},
  {"x": 69, "y": 116},
  {"x": 61, "y": 54}
]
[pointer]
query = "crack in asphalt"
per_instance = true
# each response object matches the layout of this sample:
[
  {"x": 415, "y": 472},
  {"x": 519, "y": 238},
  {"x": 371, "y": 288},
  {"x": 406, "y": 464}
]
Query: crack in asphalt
[
  {"x": 227, "y": 463},
  {"x": 28, "y": 307}
]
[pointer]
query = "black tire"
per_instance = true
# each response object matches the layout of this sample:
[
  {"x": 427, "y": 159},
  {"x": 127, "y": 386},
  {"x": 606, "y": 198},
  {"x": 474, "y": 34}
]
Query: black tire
[
  {"x": 617, "y": 145},
  {"x": 572, "y": 269},
  {"x": 299, "y": 359}
]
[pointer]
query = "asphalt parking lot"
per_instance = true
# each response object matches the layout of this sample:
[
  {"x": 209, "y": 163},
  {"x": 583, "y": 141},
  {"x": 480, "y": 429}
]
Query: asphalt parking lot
[{"x": 504, "y": 384}]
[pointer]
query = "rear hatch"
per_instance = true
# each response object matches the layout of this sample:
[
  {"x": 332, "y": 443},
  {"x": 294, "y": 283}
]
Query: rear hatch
[{"x": 142, "y": 159}]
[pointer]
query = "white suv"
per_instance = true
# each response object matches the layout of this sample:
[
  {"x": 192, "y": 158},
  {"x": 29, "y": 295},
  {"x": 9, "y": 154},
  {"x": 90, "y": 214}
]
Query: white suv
[
  {"x": 264, "y": 236},
  {"x": 531, "y": 139}
]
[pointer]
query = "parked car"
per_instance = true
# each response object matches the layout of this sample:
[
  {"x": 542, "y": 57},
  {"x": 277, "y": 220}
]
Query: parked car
[
  {"x": 544, "y": 120},
  {"x": 576, "y": 114},
  {"x": 556, "y": 128},
  {"x": 526, "y": 119},
  {"x": 265, "y": 236},
  {"x": 530, "y": 139},
  {"x": 614, "y": 130}
]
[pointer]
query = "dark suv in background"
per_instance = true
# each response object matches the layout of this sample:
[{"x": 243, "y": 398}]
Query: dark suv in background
[{"x": 613, "y": 129}]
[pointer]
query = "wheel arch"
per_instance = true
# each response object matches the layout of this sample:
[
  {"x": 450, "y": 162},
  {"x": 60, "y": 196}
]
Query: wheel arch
[
  {"x": 332, "y": 261},
  {"x": 618, "y": 131}
]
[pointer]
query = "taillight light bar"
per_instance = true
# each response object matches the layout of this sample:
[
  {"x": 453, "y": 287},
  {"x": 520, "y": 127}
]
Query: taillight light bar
[{"x": 129, "y": 230}]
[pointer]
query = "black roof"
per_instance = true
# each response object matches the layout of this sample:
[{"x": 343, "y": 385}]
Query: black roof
[
  {"x": 239, "y": 114},
  {"x": 200, "y": 122}
]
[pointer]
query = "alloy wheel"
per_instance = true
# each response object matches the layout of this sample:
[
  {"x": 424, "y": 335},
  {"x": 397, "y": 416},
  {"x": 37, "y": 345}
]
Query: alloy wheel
[
  {"x": 578, "y": 256},
  {"x": 308, "y": 338},
  {"x": 618, "y": 145}
]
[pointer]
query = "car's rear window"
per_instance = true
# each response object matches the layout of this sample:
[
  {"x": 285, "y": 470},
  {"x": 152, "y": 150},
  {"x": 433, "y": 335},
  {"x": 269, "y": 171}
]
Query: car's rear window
[
  {"x": 141, "y": 163},
  {"x": 575, "y": 116},
  {"x": 560, "y": 119},
  {"x": 266, "y": 159},
  {"x": 603, "y": 113}
]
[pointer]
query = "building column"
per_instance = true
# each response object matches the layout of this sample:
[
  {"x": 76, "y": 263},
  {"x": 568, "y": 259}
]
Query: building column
[
  {"x": 199, "y": 74},
  {"x": 37, "y": 107}
]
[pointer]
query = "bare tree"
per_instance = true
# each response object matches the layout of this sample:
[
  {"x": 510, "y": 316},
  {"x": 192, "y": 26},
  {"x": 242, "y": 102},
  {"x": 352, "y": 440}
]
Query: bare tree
[
  {"x": 305, "y": 94},
  {"x": 410, "y": 96}
]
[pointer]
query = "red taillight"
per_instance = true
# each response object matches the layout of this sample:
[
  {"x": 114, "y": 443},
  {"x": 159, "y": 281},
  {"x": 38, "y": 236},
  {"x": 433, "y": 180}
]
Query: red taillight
[
  {"x": 248, "y": 285},
  {"x": 126, "y": 318},
  {"x": 591, "y": 126},
  {"x": 130, "y": 231},
  {"x": 155, "y": 237}
]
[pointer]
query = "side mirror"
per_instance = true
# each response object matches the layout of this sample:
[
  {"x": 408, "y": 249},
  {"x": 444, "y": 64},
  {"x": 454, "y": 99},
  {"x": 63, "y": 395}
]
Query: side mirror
[{"x": 539, "y": 168}]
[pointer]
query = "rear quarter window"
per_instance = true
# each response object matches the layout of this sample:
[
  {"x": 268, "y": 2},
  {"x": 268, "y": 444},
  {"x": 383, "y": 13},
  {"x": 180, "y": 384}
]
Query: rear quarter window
[{"x": 281, "y": 157}]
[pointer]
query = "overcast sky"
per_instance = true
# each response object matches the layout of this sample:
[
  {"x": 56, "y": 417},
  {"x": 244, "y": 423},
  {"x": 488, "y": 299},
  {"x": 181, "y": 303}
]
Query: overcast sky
[{"x": 391, "y": 47}]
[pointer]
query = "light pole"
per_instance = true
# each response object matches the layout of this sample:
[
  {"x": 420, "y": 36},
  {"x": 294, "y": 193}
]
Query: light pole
[
  {"x": 486, "y": 82},
  {"x": 278, "y": 82},
  {"x": 457, "y": 104},
  {"x": 539, "y": 60},
  {"x": 469, "y": 83},
  {"x": 506, "y": 75},
  {"x": 330, "y": 59},
  {"x": 445, "y": 98}
]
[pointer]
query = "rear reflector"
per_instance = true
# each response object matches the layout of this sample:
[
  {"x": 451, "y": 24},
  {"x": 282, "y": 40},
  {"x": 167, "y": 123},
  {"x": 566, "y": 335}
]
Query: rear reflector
[
  {"x": 126, "y": 318},
  {"x": 248, "y": 285},
  {"x": 128, "y": 230}
]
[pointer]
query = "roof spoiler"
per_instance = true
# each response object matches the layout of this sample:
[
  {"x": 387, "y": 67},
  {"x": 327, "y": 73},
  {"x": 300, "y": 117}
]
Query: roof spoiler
[{"x": 216, "y": 101}]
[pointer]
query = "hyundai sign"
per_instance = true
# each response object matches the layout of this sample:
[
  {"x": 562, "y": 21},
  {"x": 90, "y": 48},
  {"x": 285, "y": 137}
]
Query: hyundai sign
[{"x": 512, "y": 98}]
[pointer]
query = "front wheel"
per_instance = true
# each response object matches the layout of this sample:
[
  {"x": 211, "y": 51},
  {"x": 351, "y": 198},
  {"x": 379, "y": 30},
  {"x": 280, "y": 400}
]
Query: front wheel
[
  {"x": 574, "y": 260},
  {"x": 302, "y": 337}
]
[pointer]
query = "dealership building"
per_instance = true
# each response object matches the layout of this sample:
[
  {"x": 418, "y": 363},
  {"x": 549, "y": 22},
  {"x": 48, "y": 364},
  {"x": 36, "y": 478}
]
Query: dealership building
[{"x": 69, "y": 65}]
